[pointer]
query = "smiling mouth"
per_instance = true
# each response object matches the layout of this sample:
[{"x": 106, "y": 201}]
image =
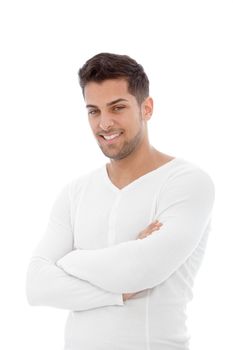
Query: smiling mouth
[{"x": 110, "y": 138}]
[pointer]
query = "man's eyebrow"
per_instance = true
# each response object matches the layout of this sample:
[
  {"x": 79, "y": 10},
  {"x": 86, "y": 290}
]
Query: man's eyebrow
[
  {"x": 116, "y": 101},
  {"x": 109, "y": 103}
]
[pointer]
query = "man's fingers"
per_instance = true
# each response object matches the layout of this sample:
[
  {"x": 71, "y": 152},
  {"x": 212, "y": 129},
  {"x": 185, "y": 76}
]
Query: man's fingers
[
  {"x": 127, "y": 296},
  {"x": 155, "y": 223},
  {"x": 154, "y": 226}
]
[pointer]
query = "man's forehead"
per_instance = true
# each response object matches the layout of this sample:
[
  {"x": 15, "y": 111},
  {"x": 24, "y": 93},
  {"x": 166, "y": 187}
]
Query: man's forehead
[{"x": 107, "y": 92}]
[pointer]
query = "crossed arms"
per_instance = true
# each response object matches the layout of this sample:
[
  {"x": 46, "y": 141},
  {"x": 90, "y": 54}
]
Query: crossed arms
[{"x": 84, "y": 279}]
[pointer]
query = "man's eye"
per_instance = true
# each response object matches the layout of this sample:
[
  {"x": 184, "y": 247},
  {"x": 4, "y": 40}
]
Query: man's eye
[
  {"x": 92, "y": 112},
  {"x": 118, "y": 108}
]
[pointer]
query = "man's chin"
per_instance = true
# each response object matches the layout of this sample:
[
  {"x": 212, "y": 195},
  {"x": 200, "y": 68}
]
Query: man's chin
[
  {"x": 107, "y": 153},
  {"x": 115, "y": 156}
]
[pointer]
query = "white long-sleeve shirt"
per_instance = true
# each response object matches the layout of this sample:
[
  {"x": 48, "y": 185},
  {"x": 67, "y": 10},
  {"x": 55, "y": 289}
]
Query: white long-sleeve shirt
[{"x": 90, "y": 256}]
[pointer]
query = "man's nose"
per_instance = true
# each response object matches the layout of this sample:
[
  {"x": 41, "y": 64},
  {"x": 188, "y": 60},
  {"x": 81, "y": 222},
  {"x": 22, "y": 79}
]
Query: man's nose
[{"x": 106, "y": 122}]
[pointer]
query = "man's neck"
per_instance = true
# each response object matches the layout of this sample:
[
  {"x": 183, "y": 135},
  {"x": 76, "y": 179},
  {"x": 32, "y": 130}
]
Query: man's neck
[{"x": 124, "y": 171}]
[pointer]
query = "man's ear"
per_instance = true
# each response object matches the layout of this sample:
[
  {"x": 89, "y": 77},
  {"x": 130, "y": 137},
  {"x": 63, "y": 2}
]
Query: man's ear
[{"x": 147, "y": 108}]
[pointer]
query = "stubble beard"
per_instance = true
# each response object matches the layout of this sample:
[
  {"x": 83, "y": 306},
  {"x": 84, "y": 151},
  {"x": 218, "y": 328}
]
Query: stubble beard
[{"x": 127, "y": 148}]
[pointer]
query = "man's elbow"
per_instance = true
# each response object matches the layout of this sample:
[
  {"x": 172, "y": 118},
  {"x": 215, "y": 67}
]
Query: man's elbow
[
  {"x": 37, "y": 289},
  {"x": 32, "y": 288},
  {"x": 32, "y": 298}
]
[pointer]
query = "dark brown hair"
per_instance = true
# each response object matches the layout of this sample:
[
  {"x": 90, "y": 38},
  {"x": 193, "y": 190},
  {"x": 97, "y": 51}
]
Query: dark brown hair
[{"x": 105, "y": 66}]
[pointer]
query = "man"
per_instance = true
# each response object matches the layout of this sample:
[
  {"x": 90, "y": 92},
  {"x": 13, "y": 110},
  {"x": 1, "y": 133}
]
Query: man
[{"x": 126, "y": 285}]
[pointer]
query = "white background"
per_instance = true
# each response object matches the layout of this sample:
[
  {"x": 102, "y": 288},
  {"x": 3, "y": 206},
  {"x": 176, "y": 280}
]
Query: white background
[{"x": 186, "y": 49}]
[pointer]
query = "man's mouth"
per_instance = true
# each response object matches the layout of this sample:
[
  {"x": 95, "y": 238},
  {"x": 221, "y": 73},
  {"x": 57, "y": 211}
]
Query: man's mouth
[{"x": 111, "y": 137}]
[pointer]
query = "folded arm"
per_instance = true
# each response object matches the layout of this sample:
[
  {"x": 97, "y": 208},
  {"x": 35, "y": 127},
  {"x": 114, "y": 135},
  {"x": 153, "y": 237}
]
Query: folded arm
[
  {"x": 184, "y": 207},
  {"x": 49, "y": 285}
]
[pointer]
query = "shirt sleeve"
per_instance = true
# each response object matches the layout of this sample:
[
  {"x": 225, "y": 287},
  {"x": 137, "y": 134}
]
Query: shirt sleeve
[
  {"x": 46, "y": 283},
  {"x": 184, "y": 207}
]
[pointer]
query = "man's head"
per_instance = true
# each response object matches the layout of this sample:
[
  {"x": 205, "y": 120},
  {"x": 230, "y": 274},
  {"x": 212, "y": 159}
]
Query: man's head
[
  {"x": 106, "y": 66},
  {"x": 116, "y": 92}
]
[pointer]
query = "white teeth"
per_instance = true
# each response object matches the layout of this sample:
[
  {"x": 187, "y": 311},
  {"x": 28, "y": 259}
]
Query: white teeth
[{"x": 110, "y": 137}]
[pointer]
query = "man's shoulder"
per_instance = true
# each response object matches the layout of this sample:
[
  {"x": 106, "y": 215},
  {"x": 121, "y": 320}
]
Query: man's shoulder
[
  {"x": 77, "y": 183},
  {"x": 188, "y": 174},
  {"x": 183, "y": 166}
]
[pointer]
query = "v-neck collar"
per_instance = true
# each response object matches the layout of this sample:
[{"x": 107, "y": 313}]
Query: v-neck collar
[{"x": 136, "y": 181}]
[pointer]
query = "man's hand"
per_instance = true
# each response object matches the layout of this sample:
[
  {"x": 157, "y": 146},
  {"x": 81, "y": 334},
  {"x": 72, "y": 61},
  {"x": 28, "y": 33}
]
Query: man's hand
[{"x": 154, "y": 226}]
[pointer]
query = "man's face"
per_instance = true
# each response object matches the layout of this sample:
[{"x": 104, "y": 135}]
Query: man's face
[{"x": 115, "y": 117}]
